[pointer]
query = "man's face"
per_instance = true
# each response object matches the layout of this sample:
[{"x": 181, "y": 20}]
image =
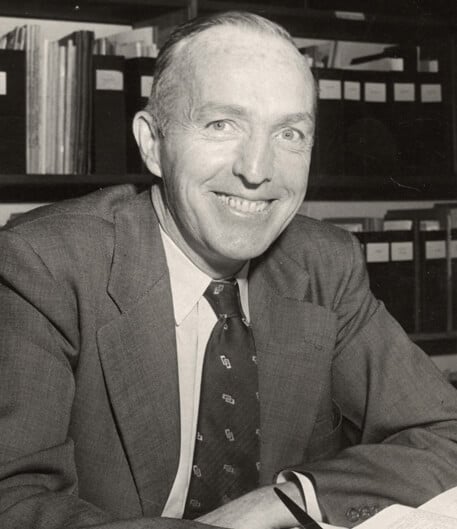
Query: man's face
[{"x": 236, "y": 154}]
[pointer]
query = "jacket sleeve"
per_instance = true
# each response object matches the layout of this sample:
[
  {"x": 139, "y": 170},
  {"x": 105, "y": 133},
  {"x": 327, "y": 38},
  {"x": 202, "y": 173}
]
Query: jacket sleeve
[
  {"x": 38, "y": 344},
  {"x": 398, "y": 413}
]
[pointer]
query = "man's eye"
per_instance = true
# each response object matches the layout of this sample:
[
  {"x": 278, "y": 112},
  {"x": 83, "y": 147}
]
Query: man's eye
[
  {"x": 291, "y": 135},
  {"x": 219, "y": 126}
]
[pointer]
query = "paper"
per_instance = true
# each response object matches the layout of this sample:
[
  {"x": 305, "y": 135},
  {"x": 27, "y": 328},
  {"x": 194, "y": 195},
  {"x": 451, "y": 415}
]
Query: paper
[
  {"x": 375, "y": 92},
  {"x": 401, "y": 517},
  {"x": 2, "y": 83},
  {"x": 438, "y": 513},
  {"x": 352, "y": 91},
  {"x": 329, "y": 89},
  {"x": 109, "y": 80},
  {"x": 146, "y": 85}
]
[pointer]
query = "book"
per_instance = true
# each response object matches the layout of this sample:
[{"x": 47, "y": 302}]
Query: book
[
  {"x": 137, "y": 42},
  {"x": 109, "y": 117}
]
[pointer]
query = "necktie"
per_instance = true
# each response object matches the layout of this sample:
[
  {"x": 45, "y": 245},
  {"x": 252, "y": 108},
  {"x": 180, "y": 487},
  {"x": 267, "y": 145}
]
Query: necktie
[{"x": 226, "y": 455}]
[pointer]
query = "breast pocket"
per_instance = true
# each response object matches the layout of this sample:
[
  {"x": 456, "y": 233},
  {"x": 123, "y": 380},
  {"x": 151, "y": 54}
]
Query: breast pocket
[{"x": 326, "y": 440}]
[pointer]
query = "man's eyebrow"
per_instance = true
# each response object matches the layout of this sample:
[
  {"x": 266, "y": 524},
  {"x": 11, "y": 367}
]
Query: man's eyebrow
[
  {"x": 233, "y": 110},
  {"x": 296, "y": 117}
]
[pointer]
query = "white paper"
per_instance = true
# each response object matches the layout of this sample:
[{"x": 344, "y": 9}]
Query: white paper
[
  {"x": 453, "y": 249},
  {"x": 401, "y": 251},
  {"x": 146, "y": 85},
  {"x": 2, "y": 83},
  {"x": 401, "y": 517},
  {"x": 444, "y": 503},
  {"x": 377, "y": 252},
  {"x": 109, "y": 80},
  {"x": 431, "y": 93},
  {"x": 375, "y": 92},
  {"x": 404, "y": 92},
  {"x": 329, "y": 89},
  {"x": 435, "y": 249},
  {"x": 352, "y": 91}
]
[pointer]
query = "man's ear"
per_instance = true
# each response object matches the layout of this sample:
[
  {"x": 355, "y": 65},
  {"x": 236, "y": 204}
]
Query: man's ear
[{"x": 147, "y": 138}]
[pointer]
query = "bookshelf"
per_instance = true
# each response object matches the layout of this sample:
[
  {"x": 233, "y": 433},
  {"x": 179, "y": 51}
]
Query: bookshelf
[{"x": 312, "y": 19}]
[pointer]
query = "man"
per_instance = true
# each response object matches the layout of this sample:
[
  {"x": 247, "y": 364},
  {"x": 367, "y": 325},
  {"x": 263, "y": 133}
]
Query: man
[{"x": 104, "y": 321}]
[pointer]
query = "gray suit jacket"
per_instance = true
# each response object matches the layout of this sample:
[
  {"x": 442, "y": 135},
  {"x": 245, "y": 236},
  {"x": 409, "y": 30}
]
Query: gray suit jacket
[{"x": 89, "y": 408}]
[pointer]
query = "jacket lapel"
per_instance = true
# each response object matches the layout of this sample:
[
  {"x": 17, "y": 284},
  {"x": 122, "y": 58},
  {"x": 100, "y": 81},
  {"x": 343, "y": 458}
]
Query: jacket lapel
[
  {"x": 138, "y": 354},
  {"x": 293, "y": 340}
]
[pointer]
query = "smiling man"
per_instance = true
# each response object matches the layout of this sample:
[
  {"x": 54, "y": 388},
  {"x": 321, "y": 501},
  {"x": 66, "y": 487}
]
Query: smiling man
[
  {"x": 234, "y": 147},
  {"x": 169, "y": 355}
]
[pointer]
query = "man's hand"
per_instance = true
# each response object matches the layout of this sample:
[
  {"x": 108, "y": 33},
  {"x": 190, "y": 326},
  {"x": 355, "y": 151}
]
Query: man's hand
[{"x": 259, "y": 509}]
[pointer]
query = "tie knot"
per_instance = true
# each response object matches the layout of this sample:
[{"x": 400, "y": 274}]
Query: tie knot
[{"x": 224, "y": 298}]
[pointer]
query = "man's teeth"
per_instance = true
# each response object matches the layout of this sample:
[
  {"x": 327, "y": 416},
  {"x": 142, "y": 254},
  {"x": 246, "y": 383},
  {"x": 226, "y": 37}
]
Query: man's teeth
[{"x": 243, "y": 205}]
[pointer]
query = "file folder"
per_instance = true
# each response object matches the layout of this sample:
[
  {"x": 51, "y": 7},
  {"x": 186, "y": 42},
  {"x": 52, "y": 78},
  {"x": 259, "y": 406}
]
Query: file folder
[
  {"x": 12, "y": 112},
  {"x": 139, "y": 73},
  {"x": 109, "y": 117}
]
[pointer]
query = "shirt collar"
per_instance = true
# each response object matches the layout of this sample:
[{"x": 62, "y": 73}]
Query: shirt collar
[{"x": 188, "y": 282}]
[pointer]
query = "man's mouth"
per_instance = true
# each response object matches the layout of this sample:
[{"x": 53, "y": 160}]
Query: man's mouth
[{"x": 242, "y": 204}]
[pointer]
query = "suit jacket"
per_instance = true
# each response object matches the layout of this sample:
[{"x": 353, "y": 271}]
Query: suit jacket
[{"x": 89, "y": 408}]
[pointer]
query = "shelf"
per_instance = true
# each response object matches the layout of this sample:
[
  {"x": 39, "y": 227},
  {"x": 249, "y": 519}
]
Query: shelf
[
  {"x": 39, "y": 188},
  {"x": 325, "y": 23},
  {"x": 49, "y": 188},
  {"x": 435, "y": 344},
  {"x": 429, "y": 191},
  {"x": 101, "y": 11}
]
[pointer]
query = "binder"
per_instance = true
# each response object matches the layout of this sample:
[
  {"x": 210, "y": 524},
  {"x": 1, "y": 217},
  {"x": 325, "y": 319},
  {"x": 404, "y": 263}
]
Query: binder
[
  {"x": 453, "y": 297},
  {"x": 432, "y": 129},
  {"x": 403, "y": 109},
  {"x": 403, "y": 274},
  {"x": 370, "y": 151},
  {"x": 434, "y": 285},
  {"x": 108, "y": 153},
  {"x": 327, "y": 163},
  {"x": 392, "y": 268},
  {"x": 377, "y": 256},
  {"x": 139, "y": 72},
  {"x": 12, "y": 112}
]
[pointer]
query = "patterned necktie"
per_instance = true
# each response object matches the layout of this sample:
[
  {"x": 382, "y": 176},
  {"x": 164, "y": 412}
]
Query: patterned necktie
[{"x": 226, "y": 456}]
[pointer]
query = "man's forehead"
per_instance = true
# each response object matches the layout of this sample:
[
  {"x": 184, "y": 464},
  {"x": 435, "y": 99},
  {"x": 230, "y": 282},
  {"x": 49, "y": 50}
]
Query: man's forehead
[{"x": 246, "y": 42}]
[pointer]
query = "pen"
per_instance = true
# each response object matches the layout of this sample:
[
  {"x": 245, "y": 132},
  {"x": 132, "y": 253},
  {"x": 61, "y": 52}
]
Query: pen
[{"x": 302, "y": 517}]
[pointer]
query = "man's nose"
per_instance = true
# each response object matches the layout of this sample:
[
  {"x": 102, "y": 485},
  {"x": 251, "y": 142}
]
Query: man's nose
[{"x": 254, "y": 160}]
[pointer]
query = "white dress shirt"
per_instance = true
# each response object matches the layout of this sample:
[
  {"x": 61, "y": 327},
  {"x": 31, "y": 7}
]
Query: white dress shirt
[{"x": 194, "y": 321}]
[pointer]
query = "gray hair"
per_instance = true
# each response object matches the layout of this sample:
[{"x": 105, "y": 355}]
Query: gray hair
[{"x": 166, "y": 73}]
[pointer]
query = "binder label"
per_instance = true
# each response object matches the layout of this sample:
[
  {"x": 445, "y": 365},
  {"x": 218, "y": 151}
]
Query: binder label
[
  {"x": 375, "y": 92},
  {"x": 2, "y": 83},
  {"x": 146, "y": 85},
  {"x": 352, "y": 91},
  {"x": 109, "y": 80},
  {"x": 401, "y": 251},
  {"x": 435, "y": 249},
  {"x": 377, "y": 252},
  {"x": 404, "y": 92},
  {"x": 329, "y": 89},
  {"x": 454, "y": 249},
  {"x": 431, "y": 93}
]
